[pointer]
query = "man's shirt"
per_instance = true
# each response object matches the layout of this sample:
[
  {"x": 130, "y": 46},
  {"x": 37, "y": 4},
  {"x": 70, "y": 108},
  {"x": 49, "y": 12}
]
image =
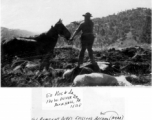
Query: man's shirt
[{"x": 86, "y": 27}]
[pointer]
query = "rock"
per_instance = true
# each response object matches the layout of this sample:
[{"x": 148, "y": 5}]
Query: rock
[{"x": 103, "y": 65}]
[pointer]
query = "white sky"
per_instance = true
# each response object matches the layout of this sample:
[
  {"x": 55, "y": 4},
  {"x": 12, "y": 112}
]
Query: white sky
[{"x": 39, "y": 15}]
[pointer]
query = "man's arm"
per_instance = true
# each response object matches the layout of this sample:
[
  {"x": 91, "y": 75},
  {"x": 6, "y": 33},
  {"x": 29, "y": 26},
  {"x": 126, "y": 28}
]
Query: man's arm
[{"x": 76, "y": 32}]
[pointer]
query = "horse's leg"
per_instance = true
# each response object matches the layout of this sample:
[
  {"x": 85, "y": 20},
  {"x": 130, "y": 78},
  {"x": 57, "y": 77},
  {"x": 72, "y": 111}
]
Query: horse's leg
[{"x": 45, "y": 61}]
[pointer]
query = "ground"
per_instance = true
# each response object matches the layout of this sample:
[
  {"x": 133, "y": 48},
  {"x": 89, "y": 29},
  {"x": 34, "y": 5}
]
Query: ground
[{"x": 133, "y": 61}]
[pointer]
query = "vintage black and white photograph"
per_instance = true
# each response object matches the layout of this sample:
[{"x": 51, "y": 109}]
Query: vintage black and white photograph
[{"x": 71, "y": 43}]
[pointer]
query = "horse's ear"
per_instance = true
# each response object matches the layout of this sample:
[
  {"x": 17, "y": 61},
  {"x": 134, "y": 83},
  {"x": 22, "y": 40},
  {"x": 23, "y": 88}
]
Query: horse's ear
[{"x": 60, "y": 21}]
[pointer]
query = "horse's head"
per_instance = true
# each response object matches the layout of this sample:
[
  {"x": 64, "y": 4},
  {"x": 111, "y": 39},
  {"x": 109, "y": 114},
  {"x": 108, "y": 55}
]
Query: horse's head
[{"x": 62, "y": 30}]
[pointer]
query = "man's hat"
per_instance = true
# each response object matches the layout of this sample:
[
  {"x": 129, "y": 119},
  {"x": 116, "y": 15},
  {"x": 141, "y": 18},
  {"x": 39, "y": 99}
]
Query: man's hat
[{"x": 87, "y": 15}]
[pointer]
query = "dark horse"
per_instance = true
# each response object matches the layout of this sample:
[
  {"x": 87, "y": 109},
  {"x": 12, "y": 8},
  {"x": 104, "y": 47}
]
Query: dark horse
[{"x": 41, "y": 45}]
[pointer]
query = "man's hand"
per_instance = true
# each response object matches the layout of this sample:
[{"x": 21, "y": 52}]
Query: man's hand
[{"x": 70, "y": 41}]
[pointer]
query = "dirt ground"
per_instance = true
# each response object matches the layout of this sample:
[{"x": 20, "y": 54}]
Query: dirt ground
[{"x": 133, "y": 61}]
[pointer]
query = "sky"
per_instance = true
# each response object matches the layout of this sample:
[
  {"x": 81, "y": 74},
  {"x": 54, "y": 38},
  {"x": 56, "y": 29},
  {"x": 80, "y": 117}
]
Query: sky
[{"x": 39, "y": 15}]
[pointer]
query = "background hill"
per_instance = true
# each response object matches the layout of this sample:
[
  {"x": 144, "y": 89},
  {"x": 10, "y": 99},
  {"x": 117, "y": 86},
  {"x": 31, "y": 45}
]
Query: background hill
[
  {"x": 7, "y": 34},
  {"x": 125, "y": 28}
]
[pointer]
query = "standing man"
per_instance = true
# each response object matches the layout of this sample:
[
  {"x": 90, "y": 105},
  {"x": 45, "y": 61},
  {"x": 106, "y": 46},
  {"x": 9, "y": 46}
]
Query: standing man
[{"x": 87, "y": 38}]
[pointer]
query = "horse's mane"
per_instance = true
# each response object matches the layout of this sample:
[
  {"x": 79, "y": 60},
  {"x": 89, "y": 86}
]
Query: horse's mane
[
  {"x": 43, "y": 36},
  {"x": 50, "y": 31}
]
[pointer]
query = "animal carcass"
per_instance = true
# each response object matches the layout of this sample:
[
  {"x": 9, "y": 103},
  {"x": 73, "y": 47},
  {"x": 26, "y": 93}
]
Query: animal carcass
[{"x": 100, "y": 79}]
